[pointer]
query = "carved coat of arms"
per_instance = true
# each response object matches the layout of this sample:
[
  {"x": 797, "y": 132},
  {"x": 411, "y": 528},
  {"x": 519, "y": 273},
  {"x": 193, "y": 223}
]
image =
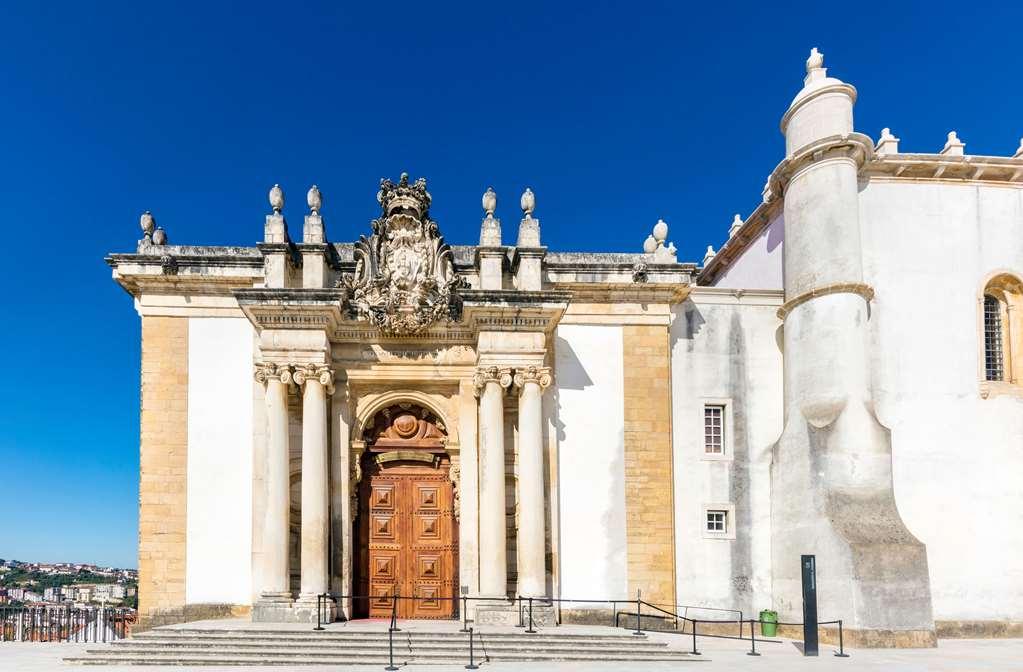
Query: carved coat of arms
[{"x": 404, "y": 279}]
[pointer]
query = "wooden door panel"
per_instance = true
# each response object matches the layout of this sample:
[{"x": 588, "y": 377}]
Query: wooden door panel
[{"x": 412, "y": 541}]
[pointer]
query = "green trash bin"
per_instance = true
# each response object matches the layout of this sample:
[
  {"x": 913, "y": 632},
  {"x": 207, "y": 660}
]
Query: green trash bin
[{"x": 768, "y": 623}]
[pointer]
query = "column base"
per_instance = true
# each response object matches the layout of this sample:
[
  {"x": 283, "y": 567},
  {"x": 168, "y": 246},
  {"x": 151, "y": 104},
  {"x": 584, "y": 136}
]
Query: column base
[
  {"x": 272, "y": 607},
  {"x": 507, "y": 613}
]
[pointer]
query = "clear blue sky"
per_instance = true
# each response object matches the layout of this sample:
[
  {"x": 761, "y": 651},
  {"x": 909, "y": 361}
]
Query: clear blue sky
[{"x": 615, "y": 115}]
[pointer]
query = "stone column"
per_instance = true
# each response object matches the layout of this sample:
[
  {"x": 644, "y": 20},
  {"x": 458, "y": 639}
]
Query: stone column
[
  {"x": 490, "y": 384},
  {"x": 276, "y": 590},
  {"x": 316, "y": 381},
  {"x": 530, "y": 383}
]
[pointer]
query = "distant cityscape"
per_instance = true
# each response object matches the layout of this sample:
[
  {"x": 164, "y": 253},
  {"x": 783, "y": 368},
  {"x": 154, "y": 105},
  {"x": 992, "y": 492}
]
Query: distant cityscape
[{"x": 66, "y": 583}]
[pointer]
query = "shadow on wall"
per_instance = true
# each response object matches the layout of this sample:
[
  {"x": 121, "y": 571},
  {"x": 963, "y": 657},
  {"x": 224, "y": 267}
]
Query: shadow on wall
[
  {"x": 571, "y": 374},
  {"x": 694, "y": 323},
  {"x": 776, "y": 234}
]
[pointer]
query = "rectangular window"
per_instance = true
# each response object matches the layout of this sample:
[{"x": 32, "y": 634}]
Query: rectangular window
[
  {"x": 717, "y": 521},
  {"x": 994, "y": 368},
  {"x": 714, "y": 429}
]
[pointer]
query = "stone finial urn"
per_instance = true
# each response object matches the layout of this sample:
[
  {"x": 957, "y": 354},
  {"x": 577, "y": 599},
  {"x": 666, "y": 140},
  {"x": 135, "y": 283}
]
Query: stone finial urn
[
  {"x": 159, "y": 236},
  {"x": 276, "y": 198},
  {"x": 314, "y": 199},
  {"x": 527, "y": 202},
  {"x": 489, "y": 201},
  {"x": 147, "y": 222}
]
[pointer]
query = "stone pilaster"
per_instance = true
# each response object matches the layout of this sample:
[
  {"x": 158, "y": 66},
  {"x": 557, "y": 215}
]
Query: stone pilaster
[{"x": 163, "y": 461}]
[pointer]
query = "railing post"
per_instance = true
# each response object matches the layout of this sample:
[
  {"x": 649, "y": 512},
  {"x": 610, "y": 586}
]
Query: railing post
[
  {"x": 472, "y": 663},
  {"x": 639, "y": 626},
  {"x": 531, "y": 631},
  {"x": 319, "y": 610},
  {"x": 518, "y": 602},
  {"x": 394, "y": 612},
  {"x": 752, "y": 640},
  {"x": 694, "y": 651},
  {"x": 841, "y": 644},
  {"x": 390, "y": 651},
  {"x": 465, "y": 614}
]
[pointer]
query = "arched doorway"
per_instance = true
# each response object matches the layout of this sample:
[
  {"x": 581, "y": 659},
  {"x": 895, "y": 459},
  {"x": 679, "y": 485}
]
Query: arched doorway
[{"x": 406, "y": 531}]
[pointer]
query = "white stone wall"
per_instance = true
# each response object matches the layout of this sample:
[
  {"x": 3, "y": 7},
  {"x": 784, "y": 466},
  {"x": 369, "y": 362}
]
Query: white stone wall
[
  {"x": 725, "y": 352},
  {"x": 591, "y": 462},
  {"x": 957, "y": 458},
  {"x": 219, "y": 497},
  {"x": 760, "y": 265}
]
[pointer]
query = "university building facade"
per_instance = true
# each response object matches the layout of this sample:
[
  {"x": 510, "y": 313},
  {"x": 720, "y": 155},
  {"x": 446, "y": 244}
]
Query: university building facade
[{"x": 844, "y": 377}]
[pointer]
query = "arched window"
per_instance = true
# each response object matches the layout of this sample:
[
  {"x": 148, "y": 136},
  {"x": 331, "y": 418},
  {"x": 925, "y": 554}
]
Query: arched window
[{"x": 1001, "y": 307}]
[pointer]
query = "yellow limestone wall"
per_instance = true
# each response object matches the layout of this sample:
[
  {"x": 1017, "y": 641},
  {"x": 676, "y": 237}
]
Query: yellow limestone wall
[
  {"x": 163, "y": 464},
  {"x": 648, "y": 469}
]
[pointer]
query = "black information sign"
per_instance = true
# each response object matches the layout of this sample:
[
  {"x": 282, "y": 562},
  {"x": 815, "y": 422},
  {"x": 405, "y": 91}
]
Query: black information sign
[{"x": 809, "y": 564}]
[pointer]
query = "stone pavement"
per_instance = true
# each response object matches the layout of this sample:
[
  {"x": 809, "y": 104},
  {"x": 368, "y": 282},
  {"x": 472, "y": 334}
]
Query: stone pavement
[{"x": 724, "y": 655}]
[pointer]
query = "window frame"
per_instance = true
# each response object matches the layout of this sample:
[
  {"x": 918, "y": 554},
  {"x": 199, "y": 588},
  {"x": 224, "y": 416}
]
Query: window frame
[
  {"x": 1005, "y": 287},
  {"x": 730, "y": 522},
  {"x": 727, "y": 429}
]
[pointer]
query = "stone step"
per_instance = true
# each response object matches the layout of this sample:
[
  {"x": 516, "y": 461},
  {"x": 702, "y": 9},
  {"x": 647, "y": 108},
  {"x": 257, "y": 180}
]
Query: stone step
[
  {"x": 382, "y": 639},
  {"x": 382, "y": 646},
  {"x": 374, "y": 634},
  {"x": 291, "y": 657}
]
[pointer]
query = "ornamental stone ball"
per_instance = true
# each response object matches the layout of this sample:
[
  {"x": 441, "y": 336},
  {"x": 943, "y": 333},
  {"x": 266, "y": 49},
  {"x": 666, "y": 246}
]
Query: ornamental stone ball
[
  {"x": 660, "y": 231},
  {"x": 159, "y": 236},
  {"x": 147, "y": 222},
  {"x": 489, "y": 201},
  {"x": 527, "y": 202},
  {"x": 277, "y": 198},
  {"x": 314, "y": 199},
  {"x": 650, "y": 245}
]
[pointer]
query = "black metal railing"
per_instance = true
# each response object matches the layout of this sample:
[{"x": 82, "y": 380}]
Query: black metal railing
[
  {"x": 653, "y": 611},
  {"x": 65, "y": 623}
]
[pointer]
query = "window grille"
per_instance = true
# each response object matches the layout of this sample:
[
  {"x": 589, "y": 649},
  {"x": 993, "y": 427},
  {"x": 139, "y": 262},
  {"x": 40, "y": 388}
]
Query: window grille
[
  {"x": 717, "y": 521},
  {"x": 993, "y": 353},
  {"x": 713, "y": 429}
]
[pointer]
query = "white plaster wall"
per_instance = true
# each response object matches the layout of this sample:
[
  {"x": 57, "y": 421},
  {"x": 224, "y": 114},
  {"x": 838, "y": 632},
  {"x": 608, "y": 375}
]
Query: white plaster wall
[
  {"x": 957, "y": 458},
  {"x": 760, "y": 265},
  {"x": 725, "y": 350},
  {"x": 219, "y": 498},
  {"x": 590, "y": 426}
]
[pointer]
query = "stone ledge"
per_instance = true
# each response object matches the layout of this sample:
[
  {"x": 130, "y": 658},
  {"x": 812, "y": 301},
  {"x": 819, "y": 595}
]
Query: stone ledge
[
  {"x": 978, "y": 629},
  {"x": 188, "y": 613},
  {"x": 867, "y": 639}
]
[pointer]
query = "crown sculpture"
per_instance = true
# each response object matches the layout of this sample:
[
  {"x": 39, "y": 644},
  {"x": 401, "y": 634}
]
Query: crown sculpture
[{"x": 404, "y": 280}]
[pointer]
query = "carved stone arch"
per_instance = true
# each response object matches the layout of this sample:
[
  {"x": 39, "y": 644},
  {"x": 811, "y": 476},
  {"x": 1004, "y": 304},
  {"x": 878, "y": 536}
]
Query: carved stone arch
[
  {"x": 364, "y": 422},
  {"x": 366, "y": 415}
]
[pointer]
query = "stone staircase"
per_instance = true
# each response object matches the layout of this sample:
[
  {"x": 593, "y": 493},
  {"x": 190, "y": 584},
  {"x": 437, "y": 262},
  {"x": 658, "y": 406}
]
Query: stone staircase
[{"x": 247, "y": 646}]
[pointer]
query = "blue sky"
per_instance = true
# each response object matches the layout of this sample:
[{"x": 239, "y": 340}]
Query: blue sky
[{"x": 614, "y": 114}]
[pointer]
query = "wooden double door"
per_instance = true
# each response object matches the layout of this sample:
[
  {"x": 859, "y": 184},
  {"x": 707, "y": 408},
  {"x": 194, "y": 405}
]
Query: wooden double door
[{"x": 408, "y": 537}]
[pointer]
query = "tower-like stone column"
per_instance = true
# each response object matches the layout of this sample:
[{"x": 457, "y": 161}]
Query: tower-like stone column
[
  {"x": 832, "y": 471},
  {"x": 316, "y": 382},
  {"x": 275, "y": 593},
  {"x": 531, "y": 382},
  {"x": 490, "y": 384}
]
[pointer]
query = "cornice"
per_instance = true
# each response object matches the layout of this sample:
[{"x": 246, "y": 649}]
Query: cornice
[
  {"x": 633, "y": 292},
  {"x": 941, "y": 167}
]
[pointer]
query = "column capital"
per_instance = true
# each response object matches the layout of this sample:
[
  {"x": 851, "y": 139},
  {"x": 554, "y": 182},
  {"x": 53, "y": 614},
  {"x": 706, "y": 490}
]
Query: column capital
[
  {"x": 267, "y": 371},
  {"x": 322, "y": 374},
  {"x": 502, "y": 375},
  {"x": 541, "y": 375}
]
